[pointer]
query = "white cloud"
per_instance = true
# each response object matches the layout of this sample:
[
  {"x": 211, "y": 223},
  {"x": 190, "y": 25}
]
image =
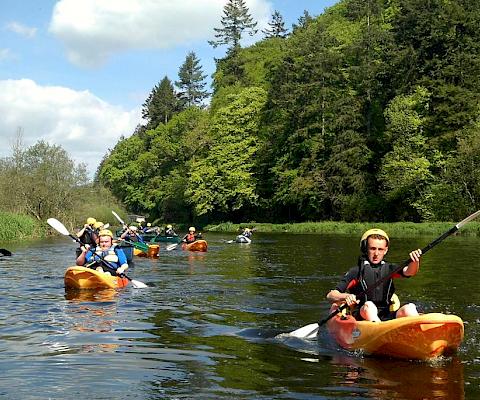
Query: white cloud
[
  {"x": 93, "y": 30},
  {"x": 5, "y": 54},
  {"x": 81, "y": 123},
  {"x": 23, "y": 30}
]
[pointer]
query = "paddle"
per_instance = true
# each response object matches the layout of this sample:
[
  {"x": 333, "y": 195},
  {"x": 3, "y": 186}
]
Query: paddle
[
  {"x": 59, "y": 227},
  {"x": 138, "y": 245},
  {"x": 172, "y": 246},
  {"x": 310, "y": 331},
  {"x": 5, "y": 252}
]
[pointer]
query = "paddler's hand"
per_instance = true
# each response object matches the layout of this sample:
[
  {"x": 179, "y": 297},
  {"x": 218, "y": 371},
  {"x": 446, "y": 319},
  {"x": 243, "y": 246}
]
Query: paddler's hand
[
  {"x": 415, "y": 255},
  {"x": 121, "y": 270},
  {"x": 351, "y": 300}
]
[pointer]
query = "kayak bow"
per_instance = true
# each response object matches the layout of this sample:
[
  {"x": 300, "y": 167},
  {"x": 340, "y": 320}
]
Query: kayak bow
[{"x": 87, "y": 278}]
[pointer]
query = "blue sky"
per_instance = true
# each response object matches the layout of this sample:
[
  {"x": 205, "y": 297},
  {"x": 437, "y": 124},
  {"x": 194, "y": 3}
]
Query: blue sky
[{"x": 76, "y": 73}]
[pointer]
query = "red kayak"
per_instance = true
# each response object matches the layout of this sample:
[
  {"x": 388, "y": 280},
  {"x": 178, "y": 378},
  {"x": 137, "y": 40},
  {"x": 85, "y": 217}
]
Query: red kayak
[
  {"x": 197, "y": 245},
  {"x": 421, "y": 338}
]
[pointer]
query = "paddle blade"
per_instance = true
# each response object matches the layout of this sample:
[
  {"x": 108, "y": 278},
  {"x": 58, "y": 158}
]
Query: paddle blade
[
  {"x": 305, "y": 332},
  {"x": 138, "y": 285},
  {"x": 171, "y": 247},
  {"x": 58, "y": 226},
  {"x": 118, "y": 217},
  {"x": 5, "y": 252}
]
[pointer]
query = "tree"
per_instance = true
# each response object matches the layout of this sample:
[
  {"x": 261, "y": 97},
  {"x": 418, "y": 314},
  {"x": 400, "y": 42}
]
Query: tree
[
  {"x": 224, "y": 180},
  {"x": 235, "y": 20},
  {"x": 161, "y": 104},
  {"x": 41, "y": 180},
  {"x": 303, "y": 21},
  {"x": 276, "y": 27},
  {"x": 191, "y": 82}
]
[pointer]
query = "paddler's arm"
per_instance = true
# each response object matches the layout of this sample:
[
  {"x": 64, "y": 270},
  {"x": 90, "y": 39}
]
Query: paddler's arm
[
  {"x": 412, "y": 268},
  {"x": 81, "y": 258}
]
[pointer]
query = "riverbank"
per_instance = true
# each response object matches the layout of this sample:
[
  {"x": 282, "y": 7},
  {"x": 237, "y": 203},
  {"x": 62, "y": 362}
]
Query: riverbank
[
  {"x": 398, "y": 229},
  {"x": 17, "y": 227}
]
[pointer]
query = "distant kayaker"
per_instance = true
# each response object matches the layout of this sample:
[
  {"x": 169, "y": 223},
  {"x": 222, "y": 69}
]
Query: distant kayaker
[
  {"x": 169, "y": 231},
  {"x": 131, "y": 233},
  {"x": 247, "y": 232},
  {"x": 379, "y": 303},
  {"x": 87, "y": 234},
  {"x": 106, "y": 250},
  {"x": 191, "y": 237}
]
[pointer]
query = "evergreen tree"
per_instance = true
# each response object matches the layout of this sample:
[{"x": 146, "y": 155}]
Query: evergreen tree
[
  {"x": 235, "y": 20},
  {"x": 303, "y": 21},
  {"x": 276, "y": 27},
  {"x": 161, "y": 104},
  {"x": 191, "y": 82}
]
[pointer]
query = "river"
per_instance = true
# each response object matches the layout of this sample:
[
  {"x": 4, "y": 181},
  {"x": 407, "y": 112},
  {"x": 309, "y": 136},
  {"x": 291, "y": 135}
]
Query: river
[{"x": 206, "y": 328}]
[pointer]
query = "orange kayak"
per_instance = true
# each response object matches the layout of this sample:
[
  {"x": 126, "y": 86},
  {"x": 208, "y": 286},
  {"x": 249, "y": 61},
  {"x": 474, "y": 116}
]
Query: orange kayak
[
  {"x": 87, "y": 278},
  {"x": 197, "y": 245},
  {"x": 152, "y": 252},
  {"x": 421, "y": 338}
]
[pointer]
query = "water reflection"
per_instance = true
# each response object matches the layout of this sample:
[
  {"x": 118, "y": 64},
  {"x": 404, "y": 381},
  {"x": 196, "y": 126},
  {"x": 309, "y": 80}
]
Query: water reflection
[{"x": 395, "y": 379}]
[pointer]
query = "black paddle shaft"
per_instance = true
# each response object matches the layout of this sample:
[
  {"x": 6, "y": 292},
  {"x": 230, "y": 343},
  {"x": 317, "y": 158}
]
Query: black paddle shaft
[{"x": 398, "y": 269}]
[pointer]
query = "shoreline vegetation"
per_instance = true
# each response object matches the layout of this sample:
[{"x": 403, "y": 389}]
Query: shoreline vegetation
[
  {"x": 18, "y": 227},
  {"x": 399, "y": 229}
]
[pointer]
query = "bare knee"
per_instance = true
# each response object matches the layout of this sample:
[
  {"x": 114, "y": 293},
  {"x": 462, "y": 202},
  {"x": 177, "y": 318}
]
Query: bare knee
[
  {"x": 407, "y": 310},
  {"x": 369, "y": 311}
]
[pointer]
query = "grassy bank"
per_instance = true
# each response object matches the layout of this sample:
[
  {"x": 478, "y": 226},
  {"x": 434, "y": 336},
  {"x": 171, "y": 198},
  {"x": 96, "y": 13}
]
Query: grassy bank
[
  {"x": 16, "y": 227},
  {"x": 399, "y": 229}
]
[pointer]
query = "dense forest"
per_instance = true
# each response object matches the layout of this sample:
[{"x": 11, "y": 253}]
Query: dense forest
[{"x": 368, "y": 112}]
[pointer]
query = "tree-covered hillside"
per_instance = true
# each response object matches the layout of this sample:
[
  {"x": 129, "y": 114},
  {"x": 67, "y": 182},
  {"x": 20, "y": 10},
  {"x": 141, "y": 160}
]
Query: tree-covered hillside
[{"x": 367, "y": 112}]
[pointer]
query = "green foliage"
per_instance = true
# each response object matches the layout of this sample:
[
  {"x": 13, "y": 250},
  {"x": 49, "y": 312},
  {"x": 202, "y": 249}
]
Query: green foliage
[
  {"x": 17, "y": 226},
  {"x": 276, "y": 27},
  {"x": 235, "y": 20},
  {"x": 191, "y": 82},
  {"x": 39, "y": 181},
  {"x": 161, "y": 104},
  {"x": 370, "y": 114},
  {"x": 224, "y": 180}
]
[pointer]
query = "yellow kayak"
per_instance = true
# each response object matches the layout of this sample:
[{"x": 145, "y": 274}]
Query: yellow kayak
[
  {"x": 422, "y": 337},
  {"x": 152, "y": 252},
  {"x": 86, "y": 278}
]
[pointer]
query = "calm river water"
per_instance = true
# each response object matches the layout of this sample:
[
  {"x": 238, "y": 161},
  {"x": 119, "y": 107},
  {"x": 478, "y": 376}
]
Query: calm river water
[{"x": 206, "y": 326}]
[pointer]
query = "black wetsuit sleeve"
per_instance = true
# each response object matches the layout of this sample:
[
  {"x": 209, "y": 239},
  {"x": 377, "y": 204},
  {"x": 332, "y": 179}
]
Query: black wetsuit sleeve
[{"x": 347, "y": 278}]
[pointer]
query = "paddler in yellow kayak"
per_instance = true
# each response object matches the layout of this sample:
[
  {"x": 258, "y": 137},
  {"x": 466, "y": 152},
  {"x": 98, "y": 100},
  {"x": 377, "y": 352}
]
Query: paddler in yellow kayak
[
  {"x": 106, "y": 250},
  {"x": 381, "y": 302}
]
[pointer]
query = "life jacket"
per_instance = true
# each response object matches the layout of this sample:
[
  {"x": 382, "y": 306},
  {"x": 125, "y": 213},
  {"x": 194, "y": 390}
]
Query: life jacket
[
  {"x": 190, "y": 237},
  {"x": 367, "y": 277},
  {"x": 109, "y": 255}
]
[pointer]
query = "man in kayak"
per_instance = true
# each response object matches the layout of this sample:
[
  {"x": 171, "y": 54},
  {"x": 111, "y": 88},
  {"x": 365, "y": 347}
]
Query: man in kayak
[
  {"x": 169, "y": 231},
  {"x": 379, "y": 303},
  {"x": 131, "y": 233},
  {"x": 116, "y": 261}
]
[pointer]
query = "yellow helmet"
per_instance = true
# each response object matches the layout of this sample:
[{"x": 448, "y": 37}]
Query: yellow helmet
[
  {"x": 133, "y": 228},
  {"x": 140, "y": 219},
  {"x": 98, "y": 224},
  {"x": 105, "y": 232},
  {"x": 370, "y": 232},
  {"x": 91, "y": 221},
  {"x": 191, "y": 229},
  {"x": 169, "y": 226},
  {"x": 149, "y": 224}
]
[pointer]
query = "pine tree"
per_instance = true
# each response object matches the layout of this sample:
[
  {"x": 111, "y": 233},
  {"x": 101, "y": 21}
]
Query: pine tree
[
  {"x": 235, "y": 20},
  {"x": 303, "y": 21},
  {"x": 191, "y": 82},
  {"x": 276, "y": 27},
  {"x": 161, "y": 104}
]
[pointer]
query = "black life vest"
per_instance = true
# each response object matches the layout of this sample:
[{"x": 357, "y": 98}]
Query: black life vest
[{"x": 367, "y": 277}]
